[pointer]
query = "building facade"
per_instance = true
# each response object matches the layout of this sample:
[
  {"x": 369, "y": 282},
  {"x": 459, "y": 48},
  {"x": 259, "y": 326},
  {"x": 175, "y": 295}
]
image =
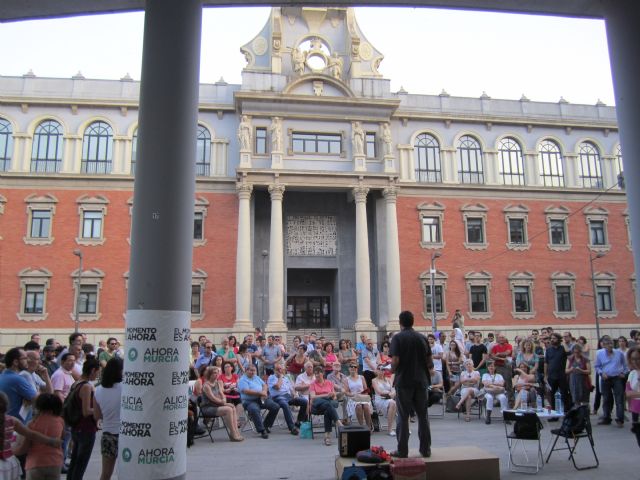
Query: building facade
[{"x": 322, "y": 198}]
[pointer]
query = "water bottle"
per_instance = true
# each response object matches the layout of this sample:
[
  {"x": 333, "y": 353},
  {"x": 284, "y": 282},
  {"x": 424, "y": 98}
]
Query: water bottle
[
  {"x": 559, "y": 404},
  {"x": 539, "y": 406},
  {"x": 524, "y": 399}
]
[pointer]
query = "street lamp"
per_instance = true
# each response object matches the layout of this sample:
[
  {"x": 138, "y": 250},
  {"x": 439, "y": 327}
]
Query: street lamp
[
  {"x": 265, "y": 254},
  {"x": 432, "y": 276},
  {"x": 595, "y": 292},
  {"x": 78, "y": 254}
]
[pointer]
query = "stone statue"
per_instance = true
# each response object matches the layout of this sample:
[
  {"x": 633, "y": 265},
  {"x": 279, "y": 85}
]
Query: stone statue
[
  {"x": 335, "y": 66},
  {"x": 386, "y": 139},
  {"x": 244, "y": 133},
  {"x": 276, "y": 134},
  {"x": 358, "y": 137},
  {"x": 297, "y": 59}
]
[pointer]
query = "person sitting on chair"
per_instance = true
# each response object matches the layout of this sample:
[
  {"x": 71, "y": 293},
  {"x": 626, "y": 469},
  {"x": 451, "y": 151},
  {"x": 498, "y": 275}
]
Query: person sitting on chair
[
  {"x": 493, "y": 385},
  {"x": 337, "y": 378},
  {"x": 281, "y": 392},
  {"x": 322, "y": 398},
  {"x": 436, "y": 389},
  {"x": 385, "y": 398},
  {"x": 359, "y": 403},
  {"x": 254, "y": 395},
  {"x": 469, "y": 383},
  {"x": 305, "y": 379},
  {"x": 214, "y": 403},
  {"x": 524, "y": 382}
]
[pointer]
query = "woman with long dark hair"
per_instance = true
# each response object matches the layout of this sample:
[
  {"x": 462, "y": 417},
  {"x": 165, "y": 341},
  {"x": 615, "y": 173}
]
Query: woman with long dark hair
[{"x": 107, "y": 409}]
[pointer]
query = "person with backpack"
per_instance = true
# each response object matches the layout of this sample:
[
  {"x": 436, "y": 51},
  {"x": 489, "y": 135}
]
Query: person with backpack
[{"x": 83, "y": 429}]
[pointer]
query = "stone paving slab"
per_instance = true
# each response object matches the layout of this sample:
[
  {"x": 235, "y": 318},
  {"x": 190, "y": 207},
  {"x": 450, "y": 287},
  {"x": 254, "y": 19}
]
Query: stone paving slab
[{"x": 283, "y": 457}]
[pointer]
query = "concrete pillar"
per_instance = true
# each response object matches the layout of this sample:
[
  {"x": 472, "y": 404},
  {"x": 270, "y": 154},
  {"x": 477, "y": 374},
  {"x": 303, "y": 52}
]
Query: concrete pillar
[
  {"x": 276, "y": 324},
  {"x": 531, "y": 169},
  {"x": 152, "y": 442},
  {"x": 243, "y": 261},
  {"x": 491, "y": 168},
  {"x": 623, "y": 36},
  {"x": 392, "y": 254},
  {"x": 363, "y": 275}
]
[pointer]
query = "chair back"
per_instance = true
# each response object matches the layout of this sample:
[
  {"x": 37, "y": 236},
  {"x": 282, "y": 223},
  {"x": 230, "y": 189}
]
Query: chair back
[
  {"x": 526, "y": 425},
  {"x": 575, "y": 422}
]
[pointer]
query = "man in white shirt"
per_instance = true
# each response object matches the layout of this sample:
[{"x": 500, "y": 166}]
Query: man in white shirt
[
  {"x": 437, "y": 352},
  {"x": 62, "y": 378}
]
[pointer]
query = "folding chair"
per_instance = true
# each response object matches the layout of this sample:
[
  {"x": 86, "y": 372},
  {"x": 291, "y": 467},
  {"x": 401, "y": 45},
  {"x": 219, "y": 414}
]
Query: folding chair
[
  {"x": 576, "y": 425},
  {"x": 210, "y": 423},
  {"x": 526, "y": 427},
  {"x": 318, "y": 427},
  {"x": 439, "y": 408}
]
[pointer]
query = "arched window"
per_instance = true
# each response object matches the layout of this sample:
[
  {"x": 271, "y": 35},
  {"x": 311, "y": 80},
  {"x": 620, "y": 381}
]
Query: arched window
[
  {"x": 97, "y": 148},
  {"x": 46, "y": 152},
  {"x": 511, "y": 164},
  {"x": 590, "y": 170},
  {"x": 550, "y": 159},
  {"x": 470, "y": 160},
  {"x": 134, "y": 152},
  {"x": 427, "y": 155},
  {"x": 6, "y": 144},
  {"x": 203, "y": 152}
]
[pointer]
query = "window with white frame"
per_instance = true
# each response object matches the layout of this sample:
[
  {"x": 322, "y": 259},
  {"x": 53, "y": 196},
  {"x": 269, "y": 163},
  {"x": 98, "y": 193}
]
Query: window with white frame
[
  {"x": 203, "y": 152},
  {"x": 370, "y": 145},
  {"x": 6, "y": 144},
  {"x": 427, "y": 159},
  {"x": 470, "y": 167},
  {"x": 557, "y": 219},
  {"x": 478, "y": 290},
  {"x": 46, "y": 149},
  {"x": 596, "y": 219},
  {"x": 92, "y": 212},
  {"x": 605, "y": 283},
  {"x": 87, "y": 294},
  {"x": 511, "y": 162},
  {"x": 34, "y": 284},
  {"x": 261, "y": 141},
  {"x": 551, "y": 164},
  {"x": 440, "y": 287},
  {"x": 521, "y": 285},
  {"x": 634, "y": 287},
  {"x": 590, "y": 166},
  {"x": 40, "y": 212},
  {"x": 516, "y": 218},
  {"x": 563, "y": 285},
  {"x": 431, "y": 219},
  {"x": 200, "y": 214},
  {"x": 627, "y": 224},
  {"x": 198, "y": 286},
  {"x": 97, "y": 148},
  {"x": 474, "y": 218}
]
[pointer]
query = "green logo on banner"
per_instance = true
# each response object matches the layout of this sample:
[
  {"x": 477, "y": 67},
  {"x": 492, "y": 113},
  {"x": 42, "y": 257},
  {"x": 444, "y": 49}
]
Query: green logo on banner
[
  {"x": 126, "y": 455},
  {"x": 133, "y": 354}
]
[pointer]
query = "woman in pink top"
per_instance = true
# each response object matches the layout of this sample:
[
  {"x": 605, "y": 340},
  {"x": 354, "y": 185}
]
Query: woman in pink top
[
  {"x": 323, "y": 402},
  {"x": 44, "y": 461},
  {"x": 633, "y": 389},
  {"x": 329, "y": 358}
]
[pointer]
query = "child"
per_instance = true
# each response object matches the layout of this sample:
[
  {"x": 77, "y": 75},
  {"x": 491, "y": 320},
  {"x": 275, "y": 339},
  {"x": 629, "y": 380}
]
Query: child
[
  {"x": 43, "y": 461},
  {"x": 9, "y": 464}
]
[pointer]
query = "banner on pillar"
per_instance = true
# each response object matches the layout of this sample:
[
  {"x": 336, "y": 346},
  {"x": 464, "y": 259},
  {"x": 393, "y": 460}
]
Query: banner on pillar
[{"x": 153, "y": 428}]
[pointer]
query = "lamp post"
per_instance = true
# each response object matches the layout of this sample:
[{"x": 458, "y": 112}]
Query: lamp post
[
  {"x": 78, "y": 254},
  {"x": 265, "y": 254},
  {"x": 432, "y": 277},
  {"x": 595, "y": 292}
]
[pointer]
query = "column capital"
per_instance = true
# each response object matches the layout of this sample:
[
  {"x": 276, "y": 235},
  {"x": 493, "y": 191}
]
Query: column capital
[
  {"x": 276, "y": 190},
  {"x": 390, "y": 193},
  {"x": 360, "y": 193},
  {"x": 244, "y": 190}
]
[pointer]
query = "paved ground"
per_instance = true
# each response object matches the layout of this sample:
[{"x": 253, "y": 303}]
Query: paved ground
[{"x": 283, "y": 457}]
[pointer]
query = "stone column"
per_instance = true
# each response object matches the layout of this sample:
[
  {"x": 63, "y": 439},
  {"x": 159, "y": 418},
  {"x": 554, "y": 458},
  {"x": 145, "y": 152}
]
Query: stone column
[
  {"x": 243, "y": 322},
  {"x": 152, "y": 442},
  {"x": 572, "y": 170},
  {"x": 531, "y": 169},
  {"x": 491, "y": 168},
  {"x": 623, "y": 37},
  {"x": 449, "y": 164},
  {"x": 276, "y": 324},
  {"x": 363, "y": 275},
  {"x": 392, "y": 256}
]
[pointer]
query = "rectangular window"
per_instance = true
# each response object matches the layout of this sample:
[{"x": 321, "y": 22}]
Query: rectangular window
[
  {"x": 326, "y": 143},
  {"x": 475, "y": 231},
  {"x": 196, "y": 300},
  {"x": 431, "y": 229},
  {"x": 371, "y": 145},
  {"x": 197, "y": 226},
  {"x": 91, "y": 224},
  {"x": 563, "y": 298},
  {"x": 597, "y": 233},
  {"x": 521, "y": 299},
  {"x": 261, "y": 141},
  {"x": 34, "y": 299},
  {"x": 558, "y": 234},
  {"x": 605, "y": 303},
  {"x": 438, "y": 299},
  {"x": 40, "y": 223},
  {"x": 88, "y": 301},
  {"x": 517, "y": 234},
  {"x": 479, "y": 299}
]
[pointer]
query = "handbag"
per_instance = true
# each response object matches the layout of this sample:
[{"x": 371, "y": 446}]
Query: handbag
[
  {"x": 361, "y": 398},
  {"x": 305, "y": 430}
]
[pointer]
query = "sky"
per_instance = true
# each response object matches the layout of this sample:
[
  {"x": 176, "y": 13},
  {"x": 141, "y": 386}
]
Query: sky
[{"x": 426, "y": 50}]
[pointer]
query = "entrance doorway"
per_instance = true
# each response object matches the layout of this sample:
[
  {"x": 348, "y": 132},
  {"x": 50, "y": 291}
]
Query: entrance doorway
[{"x": 308, "y": 312}]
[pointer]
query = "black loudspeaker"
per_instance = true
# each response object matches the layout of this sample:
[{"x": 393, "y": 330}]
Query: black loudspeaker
[{"x": 352, "y": 439}]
